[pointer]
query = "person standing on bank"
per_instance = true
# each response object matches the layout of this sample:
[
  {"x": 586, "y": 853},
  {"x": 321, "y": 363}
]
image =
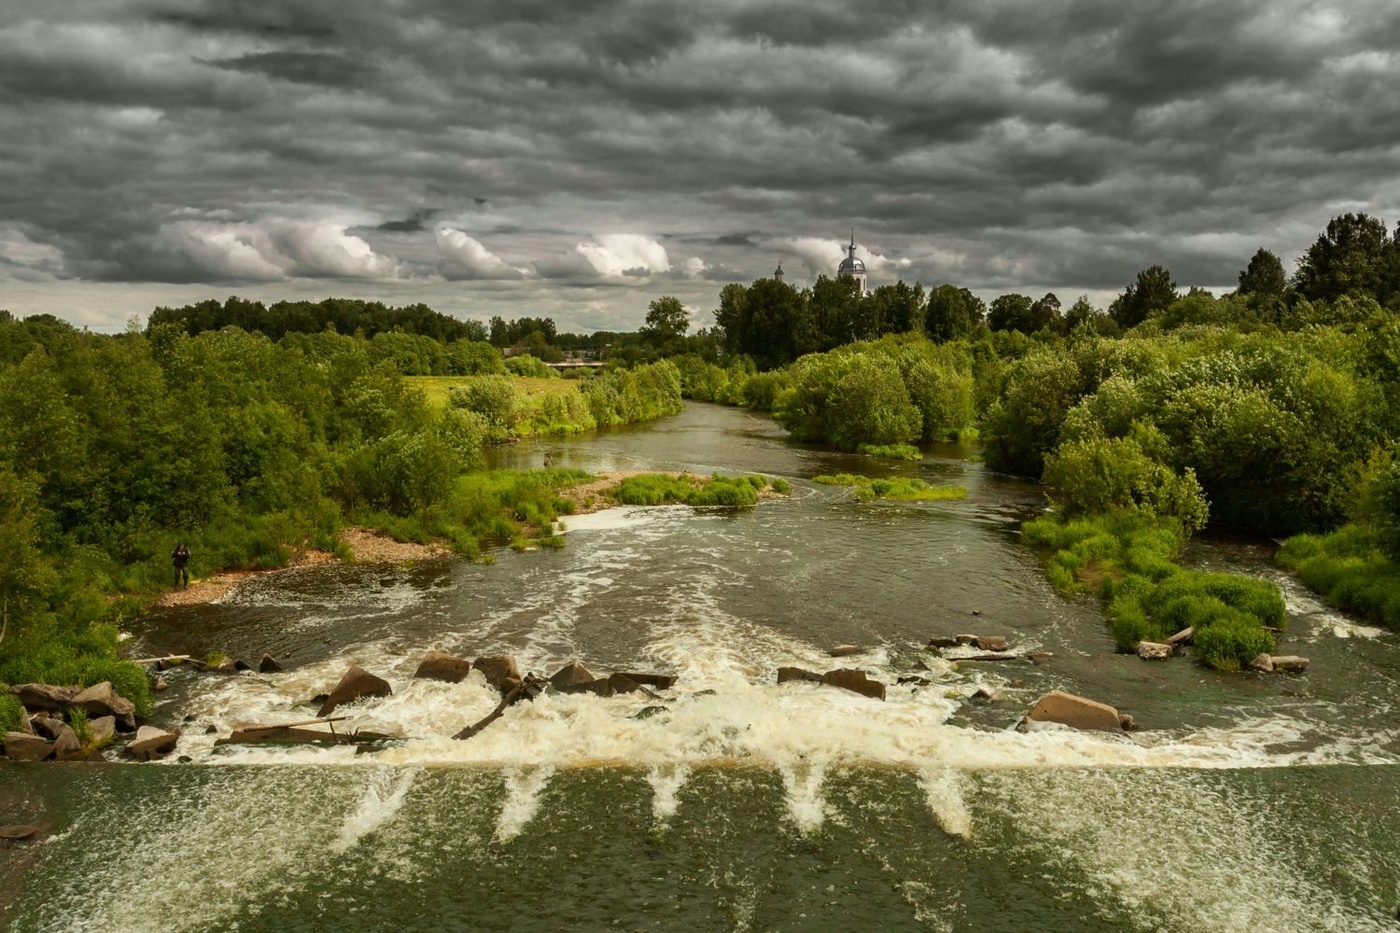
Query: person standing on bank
[{"x": 180, "y": 557}]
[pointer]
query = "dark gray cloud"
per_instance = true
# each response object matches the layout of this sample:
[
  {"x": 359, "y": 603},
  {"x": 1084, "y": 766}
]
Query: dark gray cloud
[{"x": 581, "y": 158}]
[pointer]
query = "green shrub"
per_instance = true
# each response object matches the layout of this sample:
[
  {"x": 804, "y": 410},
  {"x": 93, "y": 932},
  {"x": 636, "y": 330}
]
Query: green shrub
[
  {"x": 11, "y": 711},
  {"x": 891, "y": 451},
  {"x": 1231, "y": 640}
]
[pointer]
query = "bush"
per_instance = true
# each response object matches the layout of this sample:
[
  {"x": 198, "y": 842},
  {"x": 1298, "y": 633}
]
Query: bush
[
  {"x": 11, "y": 711},
  {"x": 527, "y": 365}
]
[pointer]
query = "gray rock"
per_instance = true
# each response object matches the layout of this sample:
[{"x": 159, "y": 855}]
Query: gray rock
[
  {"x": 1127, "y": 722},
  {"x": 647, "y": 712},
  {"x": 47, "y": 726},
  {"x": 1290, "y": 663},
  {"x": 1155, "y": 651},
  {"x": 45, "y": 696},
  {"x": 1040, "y": 657},
  {"x": 66, "y": 746},
  {"x": 21, "y": 746},
  {"x": 151, "y": 742},
  {"x": 241, "y": 665},
  {"x": 439, "y": 665},
  {"x": 269, "y": 665},
  {"x": 102, "y": 729},
  {"x": 623, "y": 683},
  {"x": 355, "y": 684},
  {"x": 102, "y": 700},
  {"x": 1263, "y": 664},
  {"x": 942, "y": 641},
  {"x": 1075, "y": 711},
  {"x": 160, "y": 685}
]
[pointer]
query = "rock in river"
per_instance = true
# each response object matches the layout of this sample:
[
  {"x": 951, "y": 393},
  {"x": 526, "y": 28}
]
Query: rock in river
[
  {"x": 356, "y": 683},
  {"x": 439, "y": 665},
  {"x": 1075, "y": 711}
]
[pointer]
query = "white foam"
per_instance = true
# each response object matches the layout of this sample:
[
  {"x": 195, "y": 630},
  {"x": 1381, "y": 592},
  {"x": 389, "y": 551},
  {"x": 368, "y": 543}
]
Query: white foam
[
  {"x": 666, "y": 784},
  {"x": 802, "y": 783},
  {"x": 944, "y": 796},
  {"x": 381, "y": 803},
  {"x": 522, "y": 801}
]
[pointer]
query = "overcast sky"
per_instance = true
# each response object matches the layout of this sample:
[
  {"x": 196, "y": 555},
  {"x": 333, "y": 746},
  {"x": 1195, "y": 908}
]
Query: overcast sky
[{"x": 577, "y": 158}]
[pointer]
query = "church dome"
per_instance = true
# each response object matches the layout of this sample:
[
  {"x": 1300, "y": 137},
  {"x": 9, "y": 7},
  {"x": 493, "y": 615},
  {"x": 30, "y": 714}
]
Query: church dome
[{"x": 850, "y": 266}]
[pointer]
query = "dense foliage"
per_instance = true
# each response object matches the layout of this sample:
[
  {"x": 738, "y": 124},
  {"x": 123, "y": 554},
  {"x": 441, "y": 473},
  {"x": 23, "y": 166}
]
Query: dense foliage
[
  {"x": 343, "y": 315},
  {"x": 688, "y": 489},
  {"x": 900, "y": 488},
  {"x": 112, "y": 448}
]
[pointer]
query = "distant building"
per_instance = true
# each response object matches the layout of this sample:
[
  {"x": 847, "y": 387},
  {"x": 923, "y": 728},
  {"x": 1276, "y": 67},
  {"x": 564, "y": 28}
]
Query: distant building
[
  {"x": 778, "y": 272},
  {"x": 852, "y": 266}
]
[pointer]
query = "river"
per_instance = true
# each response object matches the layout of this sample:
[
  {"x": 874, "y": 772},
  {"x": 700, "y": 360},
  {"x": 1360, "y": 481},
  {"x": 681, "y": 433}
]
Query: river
[{"x": 1243, "y": 803}]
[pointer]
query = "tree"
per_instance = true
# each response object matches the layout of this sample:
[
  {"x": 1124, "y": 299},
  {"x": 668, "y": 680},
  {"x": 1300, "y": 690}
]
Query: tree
[
  {"x": 1264, "y": 276},
  {"x": 1045, "y": 315},
  {"x": 952, "y": 313},
  {"x": 1011, "y": 312},
  {"x": 1154, "y": 290},
  {"x": 666, "y": 320},
  {"x": 1354, "y": 257}
]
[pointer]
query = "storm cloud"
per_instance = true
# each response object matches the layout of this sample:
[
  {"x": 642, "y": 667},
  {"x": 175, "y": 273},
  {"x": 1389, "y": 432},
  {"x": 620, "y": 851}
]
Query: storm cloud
[{"x": 578, "y": 159}]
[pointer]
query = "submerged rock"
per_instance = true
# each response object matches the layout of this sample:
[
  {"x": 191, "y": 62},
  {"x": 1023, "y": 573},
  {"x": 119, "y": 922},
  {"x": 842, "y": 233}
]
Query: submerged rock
[
  {"x": 18, "y": 832},
  {"x": 1075, "y": 712},
  {"x": 1290, "y": 663},
  {"x": 439, "y": 665},
  {"x": 942, "y": 641},
  {"x": 1040, "y": 657},
  {"x": 252, "y": 734},
  {"x": 983, "y": 642},
  {"x": 356, "y": 683},
  {"x": 599, "y": 686},
  {"x": 845, "y": 651}
]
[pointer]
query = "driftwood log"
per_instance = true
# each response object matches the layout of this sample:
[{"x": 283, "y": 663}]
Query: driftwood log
[{"x": 527, "y": 689}]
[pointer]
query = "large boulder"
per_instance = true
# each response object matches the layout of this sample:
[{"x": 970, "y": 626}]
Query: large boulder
[
  {"x": 856, "y": 681},
  {"x": 1075, "y": 711},
  {"x": 47, "y": 726},
  {"x": 102, "y": 729},
  {"x": 66, "y": 746},
  {"x": 1155, "y": 651},
  {"x": 1290, "y": 663},
  {"x": 571, "y": 675},
  {"x": 439, "y": 665},
  {"x": 102, "y": 700},
  {"x": 21, "y": 746},
  {"x": 497, "y": 669},
  {"x": 151, "y": 742},
  {"x": 45, "y": 696},
  {"x": 355, "y": 684}
]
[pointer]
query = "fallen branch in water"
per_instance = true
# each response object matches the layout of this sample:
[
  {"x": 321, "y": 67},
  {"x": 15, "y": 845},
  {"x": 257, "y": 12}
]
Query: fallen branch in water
[{"x": 527, "y": 689}]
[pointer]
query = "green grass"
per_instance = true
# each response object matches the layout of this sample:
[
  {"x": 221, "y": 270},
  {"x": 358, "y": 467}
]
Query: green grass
[
  {"x": 1130, "y": 560},
  {"x": 11, "y": 712},
  {"x": 1350, "y": 571},
  {"x": 80, "y": 655},
  {"x": 891, "y": 451},
  {"x": 687, "y": 489},
  {"x": 899, "y": 489}
]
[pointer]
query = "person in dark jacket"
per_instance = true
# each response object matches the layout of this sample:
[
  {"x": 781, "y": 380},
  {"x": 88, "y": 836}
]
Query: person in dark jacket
[{"x": 180, "y": 557}]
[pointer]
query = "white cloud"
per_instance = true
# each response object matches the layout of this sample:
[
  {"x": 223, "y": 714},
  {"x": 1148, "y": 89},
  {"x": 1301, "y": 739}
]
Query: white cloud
[
  {"x": 273, "y": 249},
  {"x": 613, "y": 255},
  {"x": 464, "y": 257}
]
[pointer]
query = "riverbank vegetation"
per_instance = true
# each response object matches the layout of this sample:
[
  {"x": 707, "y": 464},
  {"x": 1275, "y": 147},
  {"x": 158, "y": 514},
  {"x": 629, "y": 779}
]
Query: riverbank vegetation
[
  {"x": 690, "y": 489},
  {"x": 252, "y": 451},
  {"x": 899, "y": 489}
]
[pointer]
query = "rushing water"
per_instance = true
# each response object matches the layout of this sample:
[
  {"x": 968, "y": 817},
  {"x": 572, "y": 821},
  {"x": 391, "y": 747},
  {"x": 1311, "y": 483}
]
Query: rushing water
[{"x": 1245, "y": 803}]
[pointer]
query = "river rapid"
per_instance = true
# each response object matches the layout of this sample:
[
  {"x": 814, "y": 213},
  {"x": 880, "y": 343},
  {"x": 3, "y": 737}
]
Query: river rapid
[{"x": 1243, "y": 803}]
